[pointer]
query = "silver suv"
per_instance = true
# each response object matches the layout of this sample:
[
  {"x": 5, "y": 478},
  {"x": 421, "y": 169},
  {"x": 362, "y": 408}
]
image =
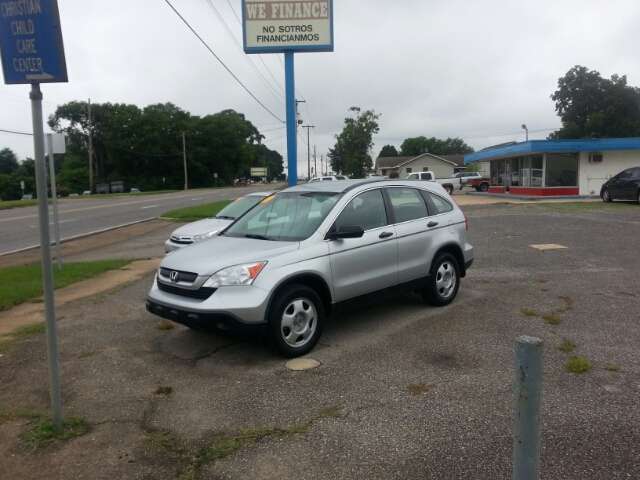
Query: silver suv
[{"x": 312, "y": 250}]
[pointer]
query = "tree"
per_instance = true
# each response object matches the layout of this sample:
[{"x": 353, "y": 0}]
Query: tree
[
  {"x": 412, "y": 147},
  {"x": 388, "y": 151},
  {"x": 8, "y": 161},
  {"x": 594, "y": 107},
  {"x": 351, "y": 154}
]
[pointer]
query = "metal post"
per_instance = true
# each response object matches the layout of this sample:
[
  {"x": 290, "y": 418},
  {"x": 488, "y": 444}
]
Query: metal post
[
  {"x": 184, "y": 156},
  {"x": 528, "y": 397},
  {"x": 45, "y": 248},
  {"x": 308, "y": 127},
  {"x": 90, "y": 151},
  {"x": 292, "y": 141},
  {"x": 54, "y": 199}
]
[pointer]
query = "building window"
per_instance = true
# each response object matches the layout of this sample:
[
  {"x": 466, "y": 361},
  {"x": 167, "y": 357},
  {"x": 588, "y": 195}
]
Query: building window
[
  {"x": 562, "y": 170},
  {"x": 408, "y": 170},
  {"x": 383, "y": 171},
  {"x": 425, "y": 169}
]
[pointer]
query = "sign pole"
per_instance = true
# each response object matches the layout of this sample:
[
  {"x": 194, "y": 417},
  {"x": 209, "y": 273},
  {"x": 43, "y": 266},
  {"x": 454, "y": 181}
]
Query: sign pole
[
  {"x": 45, "y": 249},
  {"x": 292, "y": 141}
]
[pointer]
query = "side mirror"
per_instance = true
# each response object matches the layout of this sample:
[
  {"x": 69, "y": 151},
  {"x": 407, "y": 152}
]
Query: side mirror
[{"x": 346, "y": 231}]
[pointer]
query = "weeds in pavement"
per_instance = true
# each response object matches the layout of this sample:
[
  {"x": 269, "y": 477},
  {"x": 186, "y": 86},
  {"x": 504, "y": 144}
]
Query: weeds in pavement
[
  {"x": 165, "y": 325},
  {"x": 567, "y": 346},
  {"x": 44, "y": 432},
  {"x": 578, "y": 365},
  {"x": 611, "y": 368},
  {"x": 528, "y": 312},
  {"x": 552, "y": 319}
]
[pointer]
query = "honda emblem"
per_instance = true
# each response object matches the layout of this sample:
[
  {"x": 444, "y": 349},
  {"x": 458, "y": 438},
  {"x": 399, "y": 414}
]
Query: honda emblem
[{"x": 174, "y": 276}]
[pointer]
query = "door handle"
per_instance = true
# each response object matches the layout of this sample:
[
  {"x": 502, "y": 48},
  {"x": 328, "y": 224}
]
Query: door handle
[
  {"x": 385, "y": 235},
  {"x": 432, "y": 224}
]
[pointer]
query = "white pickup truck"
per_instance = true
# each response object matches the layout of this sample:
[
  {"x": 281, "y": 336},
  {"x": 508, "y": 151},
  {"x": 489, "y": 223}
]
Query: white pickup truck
[{"x": 447, "y": 183}]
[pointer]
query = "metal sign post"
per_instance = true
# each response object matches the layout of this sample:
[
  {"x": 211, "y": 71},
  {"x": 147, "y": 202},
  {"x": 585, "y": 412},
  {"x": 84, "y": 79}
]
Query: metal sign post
[
  {"x": 32, "y": 53},
  {"x": 288, "y": 26},
  {"x": 54, "y": 198}
]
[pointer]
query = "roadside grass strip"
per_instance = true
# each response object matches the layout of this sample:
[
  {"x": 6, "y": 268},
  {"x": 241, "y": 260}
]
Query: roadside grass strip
[
  {"x": 191, "y": 214},
  {"x": 24, "y": 283}
]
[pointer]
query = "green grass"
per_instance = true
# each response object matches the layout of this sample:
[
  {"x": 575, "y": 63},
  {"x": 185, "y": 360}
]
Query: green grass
[
  {"x": 552, "y": 319},
  {"x": 578, "y": 365},
  {"x": 18, "y": 204},
  {"x": 528, "y": 312},
  {"x": 611, "y": 368},
  {"x": 43, "y": 433},
  {"x": 23, "y": 283},
  {"x": 567, "y": 346},
  {"x": 191, "y": 214},
  {"x": 14, "y": 413},
  {"x": 582, "y": 207}
]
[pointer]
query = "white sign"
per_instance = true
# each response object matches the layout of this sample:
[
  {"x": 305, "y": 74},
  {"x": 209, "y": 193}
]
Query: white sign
[
  {"x": 59, "y": 143},
  {"x": 277, "y": 25}
]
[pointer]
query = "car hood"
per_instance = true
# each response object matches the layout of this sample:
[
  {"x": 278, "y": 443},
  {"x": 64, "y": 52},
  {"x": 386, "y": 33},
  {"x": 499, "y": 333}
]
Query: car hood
[
  {"x": 202, "y": 226},
  {"x": 206, "y": 258}
]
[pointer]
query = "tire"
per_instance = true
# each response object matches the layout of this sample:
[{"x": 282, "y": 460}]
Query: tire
[
  {"x": 638, "y": 196},
  {"x": 296, "y": 319},
  {"x": 443, "y": 282},
  {"x": 477, "y": 189},
  {"x": 606, "y": 195},
  {"x": 484, "y": 187},
  {"x": 449, "y": 189}
]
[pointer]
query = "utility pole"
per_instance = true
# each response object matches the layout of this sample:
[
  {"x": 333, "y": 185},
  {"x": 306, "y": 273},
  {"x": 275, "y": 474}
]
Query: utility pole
[
  {"x": 315, "y": 160},
  {"x": 90, "y": 151},
  {"x": 321, "y": 167},
  {"x": 308, "y": 149},
  {"x": 184, "y": 158}
]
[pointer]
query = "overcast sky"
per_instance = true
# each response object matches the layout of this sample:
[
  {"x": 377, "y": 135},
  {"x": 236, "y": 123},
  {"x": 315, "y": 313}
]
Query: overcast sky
[{"x": 477, "y": 70}]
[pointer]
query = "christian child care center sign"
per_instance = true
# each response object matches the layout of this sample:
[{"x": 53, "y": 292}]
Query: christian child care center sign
[{"x": 272, "y": 26}]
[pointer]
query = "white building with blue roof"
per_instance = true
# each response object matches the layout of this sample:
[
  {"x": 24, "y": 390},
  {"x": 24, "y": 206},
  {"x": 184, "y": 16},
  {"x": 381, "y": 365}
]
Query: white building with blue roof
[{"x": 557, "y": 167}]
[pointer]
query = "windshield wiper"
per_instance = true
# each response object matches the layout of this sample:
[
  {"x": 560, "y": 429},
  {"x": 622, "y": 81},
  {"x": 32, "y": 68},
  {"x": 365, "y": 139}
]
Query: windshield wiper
[
  {"x": 224, "y": 217},
  {"x": 257, "y": 237}
]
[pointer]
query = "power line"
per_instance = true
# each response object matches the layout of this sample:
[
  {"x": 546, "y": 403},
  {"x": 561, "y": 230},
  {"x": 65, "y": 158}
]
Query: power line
[
  {"x": 222, "y": 63},
  {"x": 246, "y": 57},
  {"x": 15, "y": 133}
]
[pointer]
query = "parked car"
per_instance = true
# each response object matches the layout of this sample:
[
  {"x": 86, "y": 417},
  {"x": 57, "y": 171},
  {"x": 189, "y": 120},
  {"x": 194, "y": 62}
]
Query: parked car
[
  {"x": 376, "y": 176},
  {"x": 312, "y": 250},
  {"x": 204, "y": 229},
  {"x": 86, "y": 192},
  {"x": 623, "y": 186},
  {"x": 27, "y": 197},
  {"x": 448, "y": 183},
  {"x": 135, "y": 190},
  {"x": 328, "y": 177}
]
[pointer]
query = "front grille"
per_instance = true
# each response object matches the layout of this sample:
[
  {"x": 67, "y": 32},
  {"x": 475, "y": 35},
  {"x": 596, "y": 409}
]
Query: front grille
[
  {"x": 187, "y": 277},
  {"x": 181, "y": 241},
  {"x": 201, "y": 294}
]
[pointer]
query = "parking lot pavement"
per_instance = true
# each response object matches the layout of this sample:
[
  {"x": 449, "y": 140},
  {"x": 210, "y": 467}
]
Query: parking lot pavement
[{"x": 403, "y": 390}]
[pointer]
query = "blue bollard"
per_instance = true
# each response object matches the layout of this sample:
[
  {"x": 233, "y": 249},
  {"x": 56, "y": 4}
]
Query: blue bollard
[{"x": 528, "y": 397}]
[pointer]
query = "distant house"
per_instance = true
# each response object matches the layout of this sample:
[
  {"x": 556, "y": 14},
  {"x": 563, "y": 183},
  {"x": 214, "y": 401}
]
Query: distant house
[{"x": 440, "y": 165}]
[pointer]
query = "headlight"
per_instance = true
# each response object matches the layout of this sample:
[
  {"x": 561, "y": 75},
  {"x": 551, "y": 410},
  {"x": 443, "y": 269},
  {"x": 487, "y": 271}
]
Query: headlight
[
  {"x": 197, "y": 238},
  {"x": 235, "y": 275}
]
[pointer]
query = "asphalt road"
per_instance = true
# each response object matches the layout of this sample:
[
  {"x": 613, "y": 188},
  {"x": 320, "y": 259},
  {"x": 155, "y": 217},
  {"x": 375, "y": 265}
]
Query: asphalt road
[
  {"x": 403, "y": 390},
  {"x": 19, "y": 227}
]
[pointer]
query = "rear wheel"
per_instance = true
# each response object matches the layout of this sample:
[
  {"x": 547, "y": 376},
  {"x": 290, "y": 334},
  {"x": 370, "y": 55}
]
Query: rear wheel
[
  {"x": 444, "y": 281},
  {"x": 606, "y": 195},
  {"x": 449, "y": 189},
  {"x": 296, "y": 319},
  {"x": 638, "y": 196},
  {"x": 484, "y": 187}
]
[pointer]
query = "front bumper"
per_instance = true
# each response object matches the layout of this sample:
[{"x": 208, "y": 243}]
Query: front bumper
[
  {"x": 221, "y": 322},
  {"x": 169, "y": 246}
]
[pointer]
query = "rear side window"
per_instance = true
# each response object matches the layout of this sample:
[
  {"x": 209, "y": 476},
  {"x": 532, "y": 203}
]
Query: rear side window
[
  {"x": 437, "y": 204},
  {"x": 407, "y": 204}
]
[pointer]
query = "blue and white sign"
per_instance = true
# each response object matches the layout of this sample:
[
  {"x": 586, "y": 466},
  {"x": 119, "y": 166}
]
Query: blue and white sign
[
  {"x": 275, "y": 26},
  {"x": 31, "y": 42}
]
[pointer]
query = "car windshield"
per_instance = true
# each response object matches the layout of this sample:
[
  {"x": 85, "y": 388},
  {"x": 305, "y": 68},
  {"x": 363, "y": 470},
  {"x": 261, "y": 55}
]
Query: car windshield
[
  {"x": 285, "y": 217},
  {"x": 238, "y": 207}
]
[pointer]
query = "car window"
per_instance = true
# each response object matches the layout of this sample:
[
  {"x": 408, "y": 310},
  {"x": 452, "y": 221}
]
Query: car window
[
  {"x": 327, "y": 178},
  {"x": 425, "y": 176},
  {"x": 340, "y": 177},
  {"x": 366, "y": 210},
  {"x": 407, "y": 204},
  {"x": 624, "y": 174},
  {"x": 286, "y": 217},
  {"x": 636, "y": 173},
  {"x": 238, "y": 207},
  {"x": 413, "y": 176},
  {"x": 437, "y": 204}
]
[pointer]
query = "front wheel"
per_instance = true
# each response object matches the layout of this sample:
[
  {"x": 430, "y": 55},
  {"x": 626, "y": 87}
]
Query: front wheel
[
  {"x": 449, "y": 189},
  {"x": 484, "y": 187},
  {"x": 296, "y": 319},
  {"x": 638, "y": 196},
  {"x": 606, "y": 195},
  {"x": 444, "y": 281}
]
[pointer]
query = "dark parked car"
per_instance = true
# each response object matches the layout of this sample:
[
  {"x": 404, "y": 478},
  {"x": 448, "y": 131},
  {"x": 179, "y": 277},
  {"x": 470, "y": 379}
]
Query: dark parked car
[{"x": 623, "y": 186}]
